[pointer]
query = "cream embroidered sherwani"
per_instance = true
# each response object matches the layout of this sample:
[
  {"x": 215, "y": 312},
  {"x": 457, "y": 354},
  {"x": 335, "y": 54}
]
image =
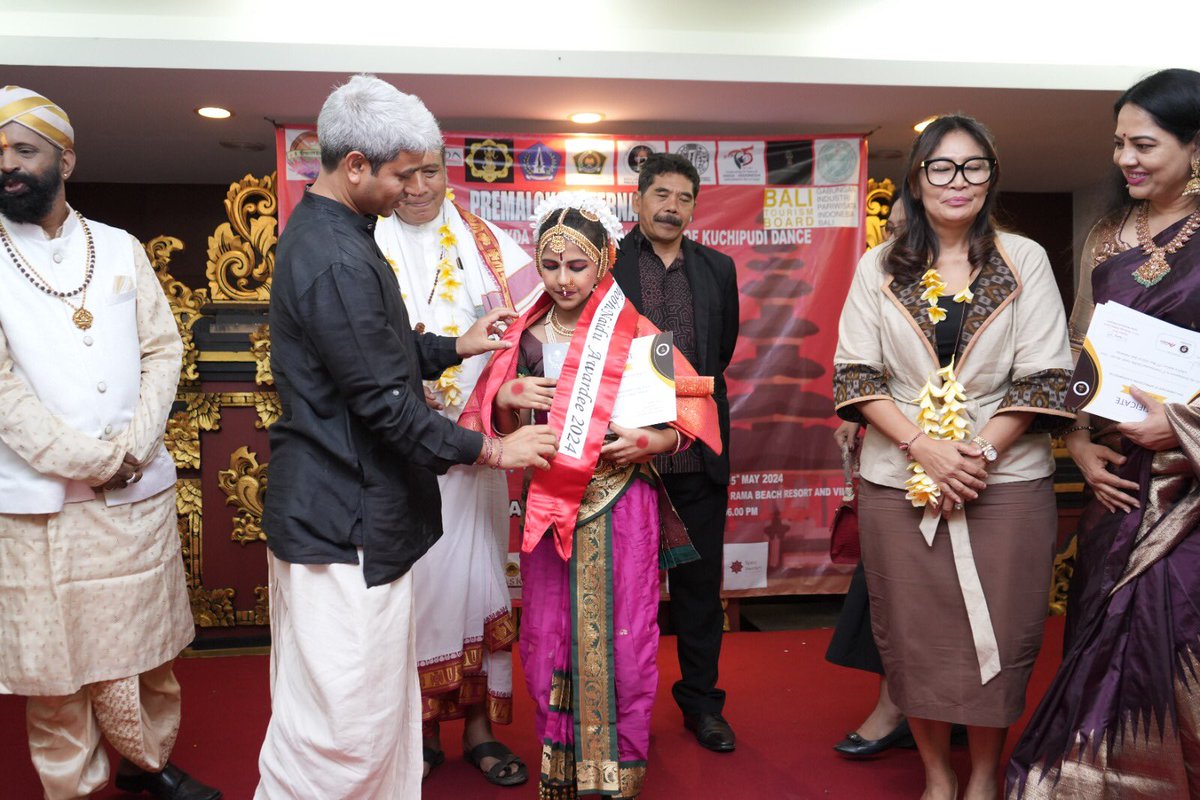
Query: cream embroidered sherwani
[{"x": 93, "y": 601}]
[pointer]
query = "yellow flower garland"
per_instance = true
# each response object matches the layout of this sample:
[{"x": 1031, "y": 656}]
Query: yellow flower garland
[
  {"x": 447, "y": 383},
  {"x": 448, "y": 284},
  {"x": 939, "y": 414},
  {"x": 446, "y": 280}
]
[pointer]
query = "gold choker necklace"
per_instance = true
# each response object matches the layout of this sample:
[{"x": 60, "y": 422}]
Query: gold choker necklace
[{"x": 556, "y": 326}]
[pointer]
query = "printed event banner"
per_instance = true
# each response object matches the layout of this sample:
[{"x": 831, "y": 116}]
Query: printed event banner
[{"x": 789, "y": 211}]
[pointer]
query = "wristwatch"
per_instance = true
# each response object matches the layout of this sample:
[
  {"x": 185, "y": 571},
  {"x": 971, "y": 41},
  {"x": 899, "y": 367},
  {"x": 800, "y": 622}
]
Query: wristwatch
[{"x": 989, "y": 449}]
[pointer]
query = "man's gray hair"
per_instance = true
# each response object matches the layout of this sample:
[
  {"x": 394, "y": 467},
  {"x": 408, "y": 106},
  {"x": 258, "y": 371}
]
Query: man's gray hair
[{"x": 376, "y": 119}]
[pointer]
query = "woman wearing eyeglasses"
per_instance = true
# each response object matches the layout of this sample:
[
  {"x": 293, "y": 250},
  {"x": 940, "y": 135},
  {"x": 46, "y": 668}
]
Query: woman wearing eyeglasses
[{"x": 953, "y": 346}]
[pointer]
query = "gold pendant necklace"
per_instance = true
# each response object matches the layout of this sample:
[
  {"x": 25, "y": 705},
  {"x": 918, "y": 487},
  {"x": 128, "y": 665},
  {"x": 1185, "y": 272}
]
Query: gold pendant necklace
[
  {"x": 81, "y": 317},
  {"x": 1155, "y": 268}
]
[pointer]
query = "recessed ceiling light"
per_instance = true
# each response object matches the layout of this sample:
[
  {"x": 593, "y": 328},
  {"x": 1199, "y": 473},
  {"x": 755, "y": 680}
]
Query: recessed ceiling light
[
  {"x": 923, "y": 124},
  {"x": 586, "y": 117},
  {"x": 214, "y": 112}
]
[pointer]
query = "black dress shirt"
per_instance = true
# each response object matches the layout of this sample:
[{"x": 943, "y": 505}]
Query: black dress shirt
[
  {"x": 355, "y": 452},
  {"x": 712, "y": 278},
  {"x": 667, "y": 300}
]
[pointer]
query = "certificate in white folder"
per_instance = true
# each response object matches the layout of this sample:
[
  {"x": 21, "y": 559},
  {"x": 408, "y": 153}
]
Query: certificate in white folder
[
  {"x": 646, "y": 395},
  {"x": 1127, "y": 348}
]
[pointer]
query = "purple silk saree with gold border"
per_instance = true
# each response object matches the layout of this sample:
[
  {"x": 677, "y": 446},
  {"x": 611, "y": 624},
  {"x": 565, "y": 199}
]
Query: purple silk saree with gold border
[{"x": 1122, "y": 716}]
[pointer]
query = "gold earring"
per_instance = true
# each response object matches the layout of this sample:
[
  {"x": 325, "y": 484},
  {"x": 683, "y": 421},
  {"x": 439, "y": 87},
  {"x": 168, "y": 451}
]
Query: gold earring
[{"x": 1192, "y": 189}]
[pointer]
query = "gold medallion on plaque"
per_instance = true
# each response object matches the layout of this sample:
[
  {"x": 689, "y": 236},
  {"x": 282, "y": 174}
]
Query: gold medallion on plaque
[{"x": 490, "y": 160}]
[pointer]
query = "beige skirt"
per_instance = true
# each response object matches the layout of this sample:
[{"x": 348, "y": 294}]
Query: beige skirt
[
  {"x": 89, "y": 594},
  {"x": 918, "y": 614}
]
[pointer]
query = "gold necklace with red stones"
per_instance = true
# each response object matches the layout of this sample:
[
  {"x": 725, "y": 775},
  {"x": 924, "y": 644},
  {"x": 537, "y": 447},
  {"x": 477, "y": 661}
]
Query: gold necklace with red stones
[{"x": 1156, "y": 267}]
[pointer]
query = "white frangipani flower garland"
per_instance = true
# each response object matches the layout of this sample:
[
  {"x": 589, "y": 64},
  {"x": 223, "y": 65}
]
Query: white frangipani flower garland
[{"x": 940, "y": 407}]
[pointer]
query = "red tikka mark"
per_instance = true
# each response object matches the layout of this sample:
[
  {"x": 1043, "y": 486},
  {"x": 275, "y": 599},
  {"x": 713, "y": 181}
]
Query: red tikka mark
[
  {"x": 643, "y": 442},
  {"x": 518, "y": 388}
]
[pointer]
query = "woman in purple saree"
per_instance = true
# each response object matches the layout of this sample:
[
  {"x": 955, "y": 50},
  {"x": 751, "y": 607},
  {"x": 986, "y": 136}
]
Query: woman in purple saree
[
  {"x": 1122, "y": 717},
  {"x": 597, "y": 526}
]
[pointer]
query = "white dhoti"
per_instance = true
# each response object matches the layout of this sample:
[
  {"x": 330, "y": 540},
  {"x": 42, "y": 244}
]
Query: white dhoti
[
  {"x": 345, "y": 703},
  {"x": 465, "y": 627}
]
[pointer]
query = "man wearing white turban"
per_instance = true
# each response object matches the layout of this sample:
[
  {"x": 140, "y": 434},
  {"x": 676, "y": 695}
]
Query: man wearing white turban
[{"x": 93, "y": 606}]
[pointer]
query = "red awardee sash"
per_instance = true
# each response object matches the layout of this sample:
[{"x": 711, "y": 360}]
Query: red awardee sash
[{"x": 582, "y": 408}]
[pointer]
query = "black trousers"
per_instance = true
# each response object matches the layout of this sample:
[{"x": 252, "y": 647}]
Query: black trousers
[{"x": 695, "y": 608}]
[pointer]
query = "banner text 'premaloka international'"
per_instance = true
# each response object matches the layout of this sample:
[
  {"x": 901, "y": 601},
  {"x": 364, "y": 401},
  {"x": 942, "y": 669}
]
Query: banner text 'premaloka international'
[{"x": 789, "y": 211}]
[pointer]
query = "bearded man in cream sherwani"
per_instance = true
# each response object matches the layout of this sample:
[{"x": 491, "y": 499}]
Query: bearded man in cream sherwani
[
  {"x": 453, "y": 267},
  {"x": 93, "y": 606}
]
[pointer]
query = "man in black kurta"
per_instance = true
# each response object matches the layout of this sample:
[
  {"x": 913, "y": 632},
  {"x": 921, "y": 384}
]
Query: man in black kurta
[{"x": 353, "y": 498}]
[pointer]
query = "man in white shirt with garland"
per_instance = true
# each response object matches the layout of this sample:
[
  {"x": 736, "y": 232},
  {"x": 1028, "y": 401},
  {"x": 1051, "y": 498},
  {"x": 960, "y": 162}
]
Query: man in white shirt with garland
[
  {"x": 452, "y": 268},
  {"x": 93, "y": 603}
]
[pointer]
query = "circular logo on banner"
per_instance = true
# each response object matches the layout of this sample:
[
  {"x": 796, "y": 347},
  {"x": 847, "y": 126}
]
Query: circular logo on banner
[
  {"x": 637, "y": 156},
  {"x": 1081, "y": 388},
  {"x": 304, "y": 155},
  {"x": 697, "y": 154},
  {"x": 837, "y": 161},
  {"x": 490, "y": 160}
]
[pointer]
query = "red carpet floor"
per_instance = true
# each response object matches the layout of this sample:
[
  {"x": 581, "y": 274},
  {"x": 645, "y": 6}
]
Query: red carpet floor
[{"x": 787, "y": 704}]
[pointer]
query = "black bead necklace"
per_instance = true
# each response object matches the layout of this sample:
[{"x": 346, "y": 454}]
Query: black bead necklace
[{"x": 81, "y": 317}]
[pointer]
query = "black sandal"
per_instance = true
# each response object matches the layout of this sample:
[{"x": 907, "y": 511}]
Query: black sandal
[
  {"x": 507, "y": 758},
  {"x": 434, "y": 758}
]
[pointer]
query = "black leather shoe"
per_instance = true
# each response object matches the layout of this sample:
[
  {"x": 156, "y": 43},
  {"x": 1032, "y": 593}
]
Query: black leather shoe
[
  {"x": 170, "y": 784},
  {"x": 712, "y": 731},
  {"x": 855, "y": 746}
]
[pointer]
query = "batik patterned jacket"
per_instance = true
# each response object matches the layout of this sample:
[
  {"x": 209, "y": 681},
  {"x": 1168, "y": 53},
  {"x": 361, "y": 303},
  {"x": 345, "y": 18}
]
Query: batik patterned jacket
[{"x": 1013, "y": 355}]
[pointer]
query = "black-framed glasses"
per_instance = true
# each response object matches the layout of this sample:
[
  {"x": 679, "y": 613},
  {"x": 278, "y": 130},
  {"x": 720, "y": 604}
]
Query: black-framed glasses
[{"x": 942, "y": 171}]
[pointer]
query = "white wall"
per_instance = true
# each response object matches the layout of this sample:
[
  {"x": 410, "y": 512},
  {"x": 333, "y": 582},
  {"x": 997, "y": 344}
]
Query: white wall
[{"x": 1031, "y": 44}]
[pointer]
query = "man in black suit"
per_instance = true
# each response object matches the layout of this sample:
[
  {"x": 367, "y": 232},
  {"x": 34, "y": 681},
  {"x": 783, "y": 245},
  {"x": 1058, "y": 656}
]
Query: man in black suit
[{"x": 690, "y": 290}]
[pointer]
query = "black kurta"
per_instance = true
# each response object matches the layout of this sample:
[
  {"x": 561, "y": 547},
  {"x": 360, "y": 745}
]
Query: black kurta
[{"x": 355, "y": 454}]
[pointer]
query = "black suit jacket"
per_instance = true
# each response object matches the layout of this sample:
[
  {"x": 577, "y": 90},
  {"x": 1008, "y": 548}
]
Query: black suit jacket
[
  {"x": 713, "y": 279},
  {"x": 355, "y": 452}
]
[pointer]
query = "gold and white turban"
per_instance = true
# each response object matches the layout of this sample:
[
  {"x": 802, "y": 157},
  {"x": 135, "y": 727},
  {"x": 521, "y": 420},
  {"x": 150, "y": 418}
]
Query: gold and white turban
[{"x": 35, "y": 112}]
